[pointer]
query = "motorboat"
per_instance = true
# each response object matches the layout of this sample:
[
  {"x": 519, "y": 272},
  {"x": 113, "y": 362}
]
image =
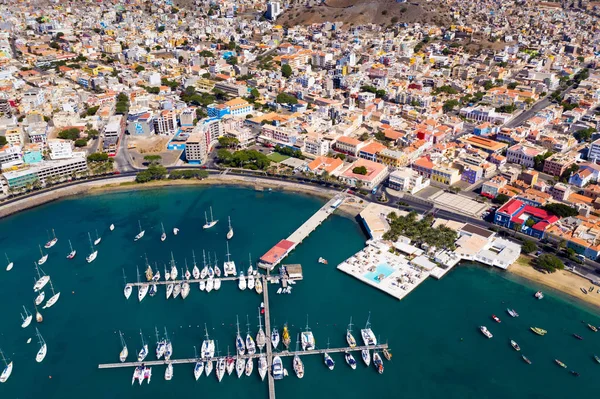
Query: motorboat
[
  {"x": 328, "y": 361},
  {"x": 124, "y": 352},
  {"x": 275, "y": 337},
  {"x": 515, "y": 345},
  {"x": 8, "y": 367},
  {"x": 512, "y": 312},
  {"x": 43, "y": 348},
  {"x": 597, "y": 358},
  {"x": 485, "y": 331},
  {"x": 387, "y": 354},
  {"x": 210, "y": 284},
  {"x": 561, "y": 364},
  {"x": 575, "y": 373},
  {"x": 52, "y": 241},
  {"x": 277, "y": 368},
  {"x": 212, "y": 222},
  {"x": 366, "y": 356},
  {"x": 175, "y": 231},
  {"x": 593, "y": 328},
  {"x": 163, "y": 236},
  {"x": 539, "y": 295},
  {"x": 250, "y": 282},
  {"x": 367, "y": 334},
  {"x": 538, "y": 330},
  {"x": 111, "y": 227},
  {"x": 525, "y": 359},
  {"x": 202, "y": 285},
  {"x": 242, "y": 281},
  {"x": 262, "y": 366},
  {"x": 323, "y": 261},
  {"x": 169, "y": 371},
  {"x": 378, "y": 363},
  {"x": 495, "y": 318},
  {"x": 579, "y": 337},
  {"x": 73, "y": 252},
  {"x": 350, "y": 360},
  {"x": 140, "y": 234}
]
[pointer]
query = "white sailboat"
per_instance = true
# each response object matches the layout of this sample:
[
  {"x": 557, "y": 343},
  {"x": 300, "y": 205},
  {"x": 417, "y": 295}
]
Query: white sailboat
[
  {"x": 43, "y": 348},
  {"x": 163, "y": 236},
  {"x": 230, "y": 231},
  {"x": 250, "y": 345},
  {"x": 239, "y": 342},
  {"x": 161, "y": 345},
  {"x": 298, "y": 365},
  {"x": 217, "y": 274},
  {"x": 260, "y": 336},
  {"x": 220, "y": 371},
  {"x": 53, "y": 299},
  {"x": 92, "y": 256},
  {"x": 42, "y": 279},
  {"x": 208, "y": 348},
  {"x": 128, "y": 287},
  {"x": 250, "y": 282},
  {"x": 249, "y": 367},
  {"x": 8, "y": 367},
  {"x": 212, "y": 222},
  {"x": 40, "y": 298},
  {"x": 204, "y": 271},
  {"x": 174, "y": 271},
  {"x": 98, "y": 239},
  {"x": 308, "y": 339},
  {"x": 169, "y": 371},
  {"x": 240, "y": 366},
  {"x": 124, "y": 351},
  {"x": 199, "y": 366},
  {"x": 71, "y": 254},
  {"x": 52, "y": 242},
  {"x": 144, "y": 351},
  {"x": 26, "y": 319},
  {"x": 242, "y": 281},
  {"x": 44, "y": 257},
  {"x": 275, "y": 337},
  {"x": 195, "y": 270},
  {"x": 140, "y": 234},
  {"x": 176, "y": 290},
  {"x": 208, "y": 368},
  {"x": 112, "y": 227},
  {"x": 229, "y": 266},
  {"x": 367, "y": 334},
  {"x": 168, "y": 346},
  {"x": 262, "y": 366},
  {"x": 185, "y": 290},
  {"x": 349, "y": 337},
  {"x": 9, "y": 265},
  {"x": 210, "y": 282},
  {"x": 142, "y": 288},
  {"x": 170, "y": 288}
]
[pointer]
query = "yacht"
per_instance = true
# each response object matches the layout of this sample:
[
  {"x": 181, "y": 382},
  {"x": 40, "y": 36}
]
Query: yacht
[
  {"x": 111, "y": 227},
  {"x": 176, "y": 290},
  {"x": 275, "y": 337},
  {"x": 349, "y": 337},
  {"x": 366, "y": 356},
  {"x": 367, "y": 334},
  {"x": 124, "y": 352},
  {"x": 26, "y": 319},
  {"x": 170, "y": 288},
  {"x": 195, "y": 270},
  {"x": 261, "y": 339},
  {"x": 307, "y": 338},
  {"x": 41, "y": 281},
  {"x": 328, "y": 361},
  {"x": 350, "y": 360},
  {"x": 212, "y": 222},
  {"x": 277, "y": 368},
  {"x": 9, "y": 264},
  {"x": 286, "y": 336},
  {"x": 44, "y": 257},
  {"x": 240, "y": 366},
  {"x": 161, "y": 345},
  {"x": 239, "y": 342},
  {"x": 250, "y": 345},
  {"x": 230, "y": 231},
  {"x": 185, "y": 290},
  {"x": 229, "y": 266},
  {"x": 93, "y": 254},
  {"x": 249, "y": 367},
  {"x": 98, "y": 239},
  {"x": 142, "y": 289},
  {"x": 144, "y": 351},
  {"x": 40, "y": 298},
  {"x": 220, "y": 369},
  {"x": 258, "y": 286},
  {"x": 169, "y": 371},
  {"x": 485, "y": 331},
  {"x": 52, "y": 242},
  {"x": 378, "y": 363},
  {"x": 199, "y": 366},
  {"x": 138, "y": 374},
  {"x": 262, "y": 366},
  {"x": 208, "y": 347},
  {"x": 163, "y": 236},
  {"x": 43, "y": 348},
  {"x": 71, "y": 254},
  {"x": 229, "y": 363},
  {"x": 53, "y": 299},
  {"x": 242, "y": 282},
  {"x": 140, "y": 234},
  {"x": 250, "y": 282},
  {"x": 7, "y": 368},
  {"x": 208, "y": 367}
]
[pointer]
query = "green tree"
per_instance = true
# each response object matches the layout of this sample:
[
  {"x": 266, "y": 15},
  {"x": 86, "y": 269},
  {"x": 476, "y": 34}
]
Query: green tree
[
  {"x": 549, "y": 262},
  {"x": 286, "y": 70},
  {"x": 228, "y": 142},
  {"x": 254, "y": 93},
  {"x": 154, "y": 172},
  {"x": 232, "y": 60},
  {"x": 98, "y": 157},
  {"x": 528, "y": 247},
  {"x": 360, "y": 170},
  {"x": 92, "y": 134},
  {"x": 54, "y": 45},
  {"x": 153, "y": 159},
  {"x": 283, "y": 98},
  {"x": 92, "y": 110},
  {"x": 69, "y": 134},
  {"x": 501, "y": 199},
  {"x": 560, "y": 210},
  {"x": 80, "y": 143},
  {"x": 139, "y": 68},
  {"x": 3, "y": 141},
  {"x": 450, "y": 105}
]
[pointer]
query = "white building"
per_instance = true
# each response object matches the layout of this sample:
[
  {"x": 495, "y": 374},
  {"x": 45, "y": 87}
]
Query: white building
[
  {"x": 273, "y": 10},
  {"x": 594, "y": 152},
  {"x": 154, "y": 79},
  {"x": 196, "y": 149},
  {"x": 113, "y": 130},
  {"x": 59, "y": 169},
  {"x": 60, "y": 149},
  {"x": 11, "y": 156},
  {"x": 316, "y": 146},
  {"x": 166, "y": 123},
  {"x": 407, "y": 180},
  {"x": 524, "y": 154}
]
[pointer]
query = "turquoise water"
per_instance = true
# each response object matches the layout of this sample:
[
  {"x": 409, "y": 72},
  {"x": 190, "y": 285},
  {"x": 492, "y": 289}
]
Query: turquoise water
[
  {"x": 438, "y": 349},
  {"x": 382, "y": 268}
]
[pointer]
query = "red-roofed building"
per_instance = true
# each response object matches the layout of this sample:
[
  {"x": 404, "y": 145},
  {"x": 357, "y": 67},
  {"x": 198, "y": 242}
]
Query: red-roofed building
[
  {"x": 376, "y": 173},
  {"x": 278, "y": 252},
  {"x": 532, "y": 221}
]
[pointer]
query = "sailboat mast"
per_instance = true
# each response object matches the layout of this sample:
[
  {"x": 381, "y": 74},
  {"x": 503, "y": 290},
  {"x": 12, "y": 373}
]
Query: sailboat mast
[
  {"x": 194, "y": 257},
  {"x": 228, "y": 254},
  {"x": 211, "y": 215}
]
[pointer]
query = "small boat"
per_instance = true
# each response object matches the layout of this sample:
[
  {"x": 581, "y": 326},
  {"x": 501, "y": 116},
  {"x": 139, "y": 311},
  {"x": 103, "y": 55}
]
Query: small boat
[
  {"x": 378, "y": 363},
  {"x": 111, "y": 227},
  {"x": 212, "y": 222},
  {"x": 170, "y": 288},
  {"x": 249, "y": 367},
  {"x": 242, "y": 281},
  {"x": 53, "y": 299},
  {"x": 286, "y": 336},
  {"x": 539, "y": 295},
  {"x": 262, "y": 367},
  {"x": 230, "y": 231},
  {"x": 198, "y": 367},
  {"x": 38, "y": 315},
  {"x": 44, "y": 257},
  {"x": 98, "y": 239},
  {"x": 583, "y": 290},
  {"x": 92, "y": 256},
  {"x": 561, "y": 364},
  {"x": 350, "y": 361},
  {"x": 515, "y": 345},
  {"x": 42, "y": 279},
  {"x": 258, "y": 286},
  {"x": 538, "y": 330},
  {"x": 387, "y": 354},
  {"x": 176, "y": 290},
  {"x": 8, "y": 367},
  {"x": 220, "y": 369},
  {"x": 262, "y": 308},
  {"x": 279, "y": 290},
  {"x": 591, "y": 289},
  {"x": 579, "y": 337},
  {"x": 575, "y": 373},
  {"x": 175, "y": 231},
  {"x": 140, "y": 234},
  {"x": 52, "y": 242},
  {"x": 185, "y": 290},
  {"x": 526, "y": 359},
  {"x": 366, "y": 356},
  {"x": 144, "y": 351},
  {"x": 124, "y": 352},
  {"x": 208, "y": 367},
  {"x": 26, "y": 318},
  {"x": 137, "y": 374},
  {"x": 43, "y": 348},
  {"x": 275, "y": 337},
  {"x": 147, "y": 374},
  {"x": 229, "y": 363},
  {"x": 323, "y": 261},
  {"x": 71, "y": 254},
  {"x": 485, "y": 331},
  {"x": 495, "y": 318},
  {"x": 240, "y": 366},
  {"x": 163, "y": 236},
  {"x": 512, "y": 312},
  {"x": 169, "y": 371},
  {"x": 597, "y": 358},
  {"x": 593, "y": 328},
  {"x": 9, "y": 266},
  {"x": 277, "y": 368},
  {"x": 367, "y": 334},
  {"x": 349, "y": 337},
  {"x": 328, "y": 361},
  {"x": 40, "y": 298}
]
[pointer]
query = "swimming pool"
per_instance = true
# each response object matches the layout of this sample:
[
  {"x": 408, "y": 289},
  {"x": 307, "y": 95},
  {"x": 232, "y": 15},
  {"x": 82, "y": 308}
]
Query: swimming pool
[{"x": 383, "y": 268}]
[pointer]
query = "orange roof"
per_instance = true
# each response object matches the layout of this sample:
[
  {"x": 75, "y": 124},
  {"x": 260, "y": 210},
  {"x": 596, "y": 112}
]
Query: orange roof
[
  {"x": 373, "y": 170},
  {"x": 578, "y": 198},
  {"x": 325, "y": 163},
  {"x": 348, "y": 140},
  {"x": 373, "y": 148},
  {"x": 424, "y": 162}
]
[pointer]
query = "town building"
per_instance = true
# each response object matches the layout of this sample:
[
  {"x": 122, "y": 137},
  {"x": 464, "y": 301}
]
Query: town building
[
  {"x": 376, "y": 173},
  {"x": 527, "y": 219},
  {"x": 407, "y": 180}
]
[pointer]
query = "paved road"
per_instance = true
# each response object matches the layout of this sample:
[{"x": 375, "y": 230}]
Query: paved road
[
  {"x": 123, "y": 158},
  {"x": 543, "y": 103}
]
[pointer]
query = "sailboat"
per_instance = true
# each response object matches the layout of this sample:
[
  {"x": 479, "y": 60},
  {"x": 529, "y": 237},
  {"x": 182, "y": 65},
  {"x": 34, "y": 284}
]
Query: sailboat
[
  {"x": 250, "y": 345},
  {"x": 142, "y": 288},
  {"x": 208, "y": 367},
  {"x": 204, "y": 271},
  {"x": 260, "y": 336},
  {"x": 187, "y": 274},
  {"x": 185, "y": 289},
  {"x": 176, "y": 290},
  {"x": 349, "y": 337},
  {"x": 53, "y": 299},
  {"x": 42, "y": 279},
  {"x": 124, "y": 351},
  {"x": 44, "y": 257},
  {"x": 40, "y": 298},
  {"x": 149, "y": 272},
  {"x": 199, "y": 366},
  {"x": 9, "y": 265},
  {"x": 249, "y": 367},
  {"x": 229, "y": 266},
  {"x": 161, "y": 345},
  {"x": 286, "y": 336},
  {"x": 240, "y": 366},
  {"x": 174, "y": 271},
  {"x": 212, "y": 222},
  {"x": 144, "y": 351},
  {"x": 167, "y": 274},
  {"x": 250, "y": 278},
  {"x": 366, "y": 356},
  {"x": 140, "y": 234},
  {"x": 195, "y": 270},
  {"x": 169, "y": 372},
  {"x": 275, "y": 337},
  {"x": 26, "y": 319},
  {"x": 163, "y": 236},
  {"x": 168, "y": 346},
  {"x": 262, "y": 366},
  {"x": 92, "y": 256},
  {"x": 239, "y": 342},
  {"x": 308, "y": 340},
  {"x": 111, "y": 227},
  {"x": 98, "y": 239},
  {"x": 367, "y": 334},
  {"x": 242, "y": 281},
  {"x": 170, "y": 288},
  {"x": 7, "y": 368},
  {"x": 217, "y": 274},
  {"x": 52, "y": 242},
  {"x": 350, "y": 360},
  {"x": 298, "y": 365},
  {"x": 128, "y": 287},
  {"x": 71, "y": 254},
  {"x": 327, "y": 358},
  {"x": 230, "y": 231},
  {"x": 208, "y": 348},
  {"x": 210, "y": 282},
  {"x": 229, "y": 363},
  {"x": 220, "y": 366},
  {"x": 43, "y": 348}
]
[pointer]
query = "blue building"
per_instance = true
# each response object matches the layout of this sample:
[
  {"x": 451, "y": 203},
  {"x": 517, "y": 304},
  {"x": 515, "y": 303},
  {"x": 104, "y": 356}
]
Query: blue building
[{"x": 525, "y": 218}]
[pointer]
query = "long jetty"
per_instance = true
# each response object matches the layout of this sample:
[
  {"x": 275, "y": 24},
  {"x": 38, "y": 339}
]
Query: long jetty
[{"x": 274, "y": 279}]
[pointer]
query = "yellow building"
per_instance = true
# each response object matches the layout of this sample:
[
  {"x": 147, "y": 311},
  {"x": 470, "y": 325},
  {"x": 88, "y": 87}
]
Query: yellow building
[
  {"x": 445, "y": 175},
  {"x": 91, "y": 69},
  {"x": 392, "y": 158},
  {"x": 205, "y": 84}
]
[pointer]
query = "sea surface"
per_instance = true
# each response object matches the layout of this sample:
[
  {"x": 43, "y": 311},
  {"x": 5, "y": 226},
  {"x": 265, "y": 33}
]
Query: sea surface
[{"x": 437, "y": 348}]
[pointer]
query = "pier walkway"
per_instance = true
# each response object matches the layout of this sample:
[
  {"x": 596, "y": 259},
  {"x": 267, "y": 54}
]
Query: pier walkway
[
  {"x": 268, "y": 335},
  {"x": 282, "y": 249},
  {"x": 273, "y": 279}
]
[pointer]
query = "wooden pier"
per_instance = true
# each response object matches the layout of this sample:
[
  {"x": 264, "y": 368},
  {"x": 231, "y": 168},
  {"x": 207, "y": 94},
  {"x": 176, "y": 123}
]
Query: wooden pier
[
  {"x": 271, "y": 380},
  {"x": 272, "y": 279}
]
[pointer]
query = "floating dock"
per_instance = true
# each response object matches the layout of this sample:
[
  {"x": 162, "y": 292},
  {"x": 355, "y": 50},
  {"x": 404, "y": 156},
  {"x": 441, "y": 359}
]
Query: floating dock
[{"x": 282, "y": 249}]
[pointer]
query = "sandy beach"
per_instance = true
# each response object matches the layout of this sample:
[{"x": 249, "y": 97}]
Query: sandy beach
[{"x": 561, "y": 280}]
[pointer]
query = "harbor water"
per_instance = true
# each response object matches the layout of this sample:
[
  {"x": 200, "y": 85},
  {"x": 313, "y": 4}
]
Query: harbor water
[{"x": 433, "y": 333}]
